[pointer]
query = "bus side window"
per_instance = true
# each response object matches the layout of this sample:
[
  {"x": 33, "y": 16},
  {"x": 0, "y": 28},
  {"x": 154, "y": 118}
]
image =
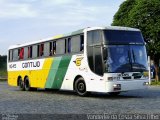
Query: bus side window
[
  {"x": 21, "y": 53},
  {"x": 25, "y": 53},
  {"x": 54, "y": 47},
  {"x": 38, "y": 50},
  {"x": 41, "y": 49},
  {"x": 82, "y": 43},
  {"x": 50, "y": 49},
  {"x": 60, "y": 47},
  {"x": 69, "y": 45},
  {"x": 30, "y": 52},
  {"x": 35, "y": 51},
  {"x": 15, "y": 54},
  {"x": 46, "y": 49},
  {"x": 10, "y": 55},
  {"x": 75, "y": 44}
]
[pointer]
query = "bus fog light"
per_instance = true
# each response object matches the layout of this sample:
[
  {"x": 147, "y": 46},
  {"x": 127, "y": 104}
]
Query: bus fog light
[
  {"x": 113, "y": 78},
  {"x": 146, "y": 83},
  {"x": 116, "y": 87},
  {"x": 110, "y": 78}
]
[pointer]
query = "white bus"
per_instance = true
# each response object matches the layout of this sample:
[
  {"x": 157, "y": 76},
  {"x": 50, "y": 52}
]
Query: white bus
[{"x": 96, "y": 59}]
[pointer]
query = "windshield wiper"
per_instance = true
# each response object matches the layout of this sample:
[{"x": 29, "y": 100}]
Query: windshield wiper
[
  {"x": 129, "y": 57},
  {"x": 134, "y": 58}
]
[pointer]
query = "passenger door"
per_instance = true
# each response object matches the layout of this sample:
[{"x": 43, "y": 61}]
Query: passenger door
[{"x": 94, "y": 51}]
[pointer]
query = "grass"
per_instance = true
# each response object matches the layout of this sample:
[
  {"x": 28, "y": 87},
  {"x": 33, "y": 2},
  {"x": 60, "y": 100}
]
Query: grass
[
  {"x": 3, "y": 73},
  {"x": 3, "y": 67},
  {"x": 155, "y": 82}
]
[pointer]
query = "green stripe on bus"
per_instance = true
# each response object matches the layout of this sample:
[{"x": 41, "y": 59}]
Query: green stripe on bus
[
  {"x": 52, "y": 72},
  {"x": 58, "y": 71}
]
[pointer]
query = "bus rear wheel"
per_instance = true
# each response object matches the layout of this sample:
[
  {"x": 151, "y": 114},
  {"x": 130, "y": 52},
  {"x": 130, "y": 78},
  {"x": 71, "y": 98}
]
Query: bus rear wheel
[
  {"x": 80, "y": 87},
  {"x": 27, "y": 84},
  {"x": 21, "y": 84}
]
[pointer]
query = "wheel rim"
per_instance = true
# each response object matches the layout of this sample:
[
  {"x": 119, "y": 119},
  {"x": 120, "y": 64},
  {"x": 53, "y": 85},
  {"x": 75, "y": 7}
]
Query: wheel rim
[
  {"x": 21, "y": 84},
  {"x": 81, "y": 87},
  {"x": 27, "y": 85}
]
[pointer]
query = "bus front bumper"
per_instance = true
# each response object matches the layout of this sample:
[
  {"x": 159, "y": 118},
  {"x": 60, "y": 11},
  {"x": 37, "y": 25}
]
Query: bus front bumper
[{"x": 119, "y": 86}]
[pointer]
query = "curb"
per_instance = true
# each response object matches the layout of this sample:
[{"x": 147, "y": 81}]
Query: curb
[{"x": 3, "y": 79}]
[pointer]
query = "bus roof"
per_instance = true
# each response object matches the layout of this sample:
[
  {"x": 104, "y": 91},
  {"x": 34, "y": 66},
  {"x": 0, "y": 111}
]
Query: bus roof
[{"x": 80, "y": 31}]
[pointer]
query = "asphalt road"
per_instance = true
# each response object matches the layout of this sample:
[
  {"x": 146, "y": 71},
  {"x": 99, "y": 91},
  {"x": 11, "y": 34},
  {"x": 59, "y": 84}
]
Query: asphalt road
[{"x": 14, "y": 101}]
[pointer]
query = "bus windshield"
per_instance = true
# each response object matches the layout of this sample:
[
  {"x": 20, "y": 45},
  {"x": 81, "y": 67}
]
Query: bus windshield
[
  {"x": 123, "y": 37},
  {"x": 126, "y": 58},
  {"x": 125, "y": 51}
]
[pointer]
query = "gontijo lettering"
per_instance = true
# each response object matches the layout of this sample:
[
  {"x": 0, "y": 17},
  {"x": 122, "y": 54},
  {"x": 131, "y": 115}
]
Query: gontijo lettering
[{"x": 31, "y": 64}]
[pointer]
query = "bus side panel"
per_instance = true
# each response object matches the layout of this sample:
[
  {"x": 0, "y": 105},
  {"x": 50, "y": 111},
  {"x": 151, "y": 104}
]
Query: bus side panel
[
  {"x": 13, "y": 76},
  {"x": 51, "y": 75},
  {"x": 37, "y": 78},
  {"x": 52, "y": 72},
  {"x": 77, "y": 67},
  {"x": 57, "y": 72}
]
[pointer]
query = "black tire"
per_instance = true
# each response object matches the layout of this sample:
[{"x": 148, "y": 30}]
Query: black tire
[
  {"x": 114, "y": 93},
  {"x": 27, "y": 84},
  {"x": 21, "y": 84},
  {"x": 80, "y": 87}
]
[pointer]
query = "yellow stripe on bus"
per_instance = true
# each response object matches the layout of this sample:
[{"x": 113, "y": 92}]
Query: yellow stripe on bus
[{"x": 57, "y": 36}]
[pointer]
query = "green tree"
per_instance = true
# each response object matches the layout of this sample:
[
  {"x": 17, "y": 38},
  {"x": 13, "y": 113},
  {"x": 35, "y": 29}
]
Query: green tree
[
  {"x": 3, "y": 65},
  {"x": 145, "y": 15},
  {"x": 3, "y": 62},
  {"x": 121, "y": 17}
]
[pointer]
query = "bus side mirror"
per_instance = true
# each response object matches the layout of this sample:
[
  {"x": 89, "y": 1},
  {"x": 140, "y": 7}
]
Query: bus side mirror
[{"x": 105, "y": 53}]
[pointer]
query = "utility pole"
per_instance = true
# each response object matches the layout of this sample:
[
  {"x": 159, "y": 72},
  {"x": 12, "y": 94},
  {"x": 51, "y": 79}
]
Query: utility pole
[{"x": 149, "y": 67}]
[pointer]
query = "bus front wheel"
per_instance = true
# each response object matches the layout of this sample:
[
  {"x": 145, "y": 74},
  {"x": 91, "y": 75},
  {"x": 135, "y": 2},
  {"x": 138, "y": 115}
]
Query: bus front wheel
[{"x": 80, "y": 87}]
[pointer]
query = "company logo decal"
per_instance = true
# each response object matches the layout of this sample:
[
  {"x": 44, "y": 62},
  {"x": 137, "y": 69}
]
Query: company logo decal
[
  {"x": 31, "y": 64},
  {"x": 78, "y": 61}
]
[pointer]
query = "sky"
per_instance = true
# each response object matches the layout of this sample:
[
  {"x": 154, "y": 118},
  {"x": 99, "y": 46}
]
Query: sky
[{"x": 24, "y": 21}]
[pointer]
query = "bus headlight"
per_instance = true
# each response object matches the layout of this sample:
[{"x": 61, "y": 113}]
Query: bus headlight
[
  {"x": 113, "y": 78},
  {"x": 146, "y": 83}
]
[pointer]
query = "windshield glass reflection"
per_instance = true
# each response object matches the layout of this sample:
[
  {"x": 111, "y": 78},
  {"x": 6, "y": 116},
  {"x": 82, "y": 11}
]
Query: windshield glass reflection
[{"x": 126, "y": 58}]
